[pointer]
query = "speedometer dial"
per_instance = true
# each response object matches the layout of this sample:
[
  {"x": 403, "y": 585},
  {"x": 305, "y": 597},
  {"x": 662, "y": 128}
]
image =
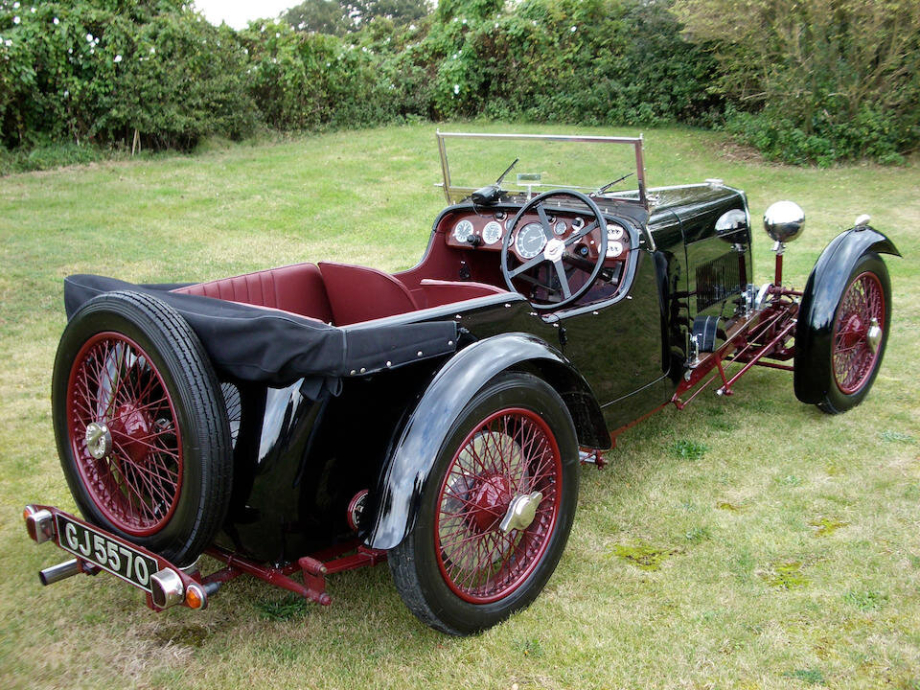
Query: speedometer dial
[
  {"x": 463, "y": 231},
  {"x": 530, "y": 241},
  {"x": 492, "y": 232}
]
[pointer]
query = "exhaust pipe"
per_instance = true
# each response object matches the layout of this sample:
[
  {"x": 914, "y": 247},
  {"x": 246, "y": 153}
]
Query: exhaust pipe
[{"x": 59, "y": 572}]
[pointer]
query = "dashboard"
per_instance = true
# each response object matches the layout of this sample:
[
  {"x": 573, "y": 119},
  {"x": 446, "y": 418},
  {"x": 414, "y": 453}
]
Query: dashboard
[{"x": 487, "y": 232}]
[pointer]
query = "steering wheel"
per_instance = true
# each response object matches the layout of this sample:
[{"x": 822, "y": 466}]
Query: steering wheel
[{"x": 554, "y": 251}]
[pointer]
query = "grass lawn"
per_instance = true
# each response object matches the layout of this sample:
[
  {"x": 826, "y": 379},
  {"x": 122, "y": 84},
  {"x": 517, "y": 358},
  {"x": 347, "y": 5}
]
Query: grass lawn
[{"x": 750, "y": 542}]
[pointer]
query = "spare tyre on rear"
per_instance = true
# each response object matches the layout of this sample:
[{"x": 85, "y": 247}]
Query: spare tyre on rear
[{"x": 141, "y": 425}]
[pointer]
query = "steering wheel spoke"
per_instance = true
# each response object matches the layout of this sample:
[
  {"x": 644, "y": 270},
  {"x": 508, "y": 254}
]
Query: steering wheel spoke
[
  {"x": 563, "y": 279},
  {"x": 584, "y": 232},
  {"x": 544, "y": 221},
  {"x": 553, "y": 255},
  {"x": 533, "y": 263}
]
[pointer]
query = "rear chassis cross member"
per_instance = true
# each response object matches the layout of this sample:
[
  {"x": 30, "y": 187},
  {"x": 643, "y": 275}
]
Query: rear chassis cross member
[
  {"x": 313, "y": 569},
  {"x": 187, "y": 587}
]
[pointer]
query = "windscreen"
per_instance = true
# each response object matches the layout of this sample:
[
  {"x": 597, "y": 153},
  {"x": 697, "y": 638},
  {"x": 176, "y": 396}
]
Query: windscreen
[{"x": 543, "y": 163}]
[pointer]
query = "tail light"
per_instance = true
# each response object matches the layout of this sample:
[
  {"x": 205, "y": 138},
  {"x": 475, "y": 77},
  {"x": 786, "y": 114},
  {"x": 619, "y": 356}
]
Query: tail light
[{"x": 39, "y": 524}]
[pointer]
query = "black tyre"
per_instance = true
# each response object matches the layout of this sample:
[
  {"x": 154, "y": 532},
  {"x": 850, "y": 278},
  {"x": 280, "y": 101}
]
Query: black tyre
[
  {"x": 859, "y": 334},
  {"x": 496, "y": 514},
  {"x": 141, "y": 426}
]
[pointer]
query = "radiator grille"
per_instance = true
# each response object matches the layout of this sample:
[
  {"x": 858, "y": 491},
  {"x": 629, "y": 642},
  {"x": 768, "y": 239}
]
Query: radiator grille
[{"x": 717, "y": 280}]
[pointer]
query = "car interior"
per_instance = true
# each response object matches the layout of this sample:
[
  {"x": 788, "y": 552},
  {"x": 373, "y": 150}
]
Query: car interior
[{"x": 463, "y": 262}]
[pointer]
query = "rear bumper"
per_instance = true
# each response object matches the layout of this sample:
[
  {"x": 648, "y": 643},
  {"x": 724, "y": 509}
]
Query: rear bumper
[{"x": 94, "y": 550}]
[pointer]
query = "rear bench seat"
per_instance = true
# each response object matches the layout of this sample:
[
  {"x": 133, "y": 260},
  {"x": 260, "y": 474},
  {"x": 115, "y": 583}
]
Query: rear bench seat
[
  {"x": 298, "y": 289},
  {"x": 339, "y": 294}
]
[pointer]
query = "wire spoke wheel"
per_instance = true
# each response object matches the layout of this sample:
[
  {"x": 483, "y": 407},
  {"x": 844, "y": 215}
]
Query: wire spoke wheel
[
  {"x": 858, "y": 330},
  {"x": 842, "y": 333},
  {"x": 496, "y": 508},
  {"x": 141, "y": 425},
  {"x": 510, "y": 460},
  {"x": 123, "y": 433}
]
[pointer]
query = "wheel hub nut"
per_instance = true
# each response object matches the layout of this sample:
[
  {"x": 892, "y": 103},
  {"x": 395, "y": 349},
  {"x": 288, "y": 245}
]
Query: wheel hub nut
[
  {"x": 874, "y": 336},
  {"x": 98, "y": 440},
  {"x": 521, "y": 512}
]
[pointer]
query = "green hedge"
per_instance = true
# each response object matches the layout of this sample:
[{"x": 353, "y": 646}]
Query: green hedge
[
  {"x": 816, "y": 81},
  {"x": 575, "y": 61},
  {"x": 98, "y": 71},
  {"x": 110, "y": 72}
]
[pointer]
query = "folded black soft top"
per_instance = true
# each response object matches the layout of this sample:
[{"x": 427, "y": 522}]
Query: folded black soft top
[{"x": 279, "y": 348}]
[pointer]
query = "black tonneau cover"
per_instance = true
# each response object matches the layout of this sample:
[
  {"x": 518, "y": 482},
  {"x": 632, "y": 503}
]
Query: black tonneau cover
[{"x": 278, "y": 348}]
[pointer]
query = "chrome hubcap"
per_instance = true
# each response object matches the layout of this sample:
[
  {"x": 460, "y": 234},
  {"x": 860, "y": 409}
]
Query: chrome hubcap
[
  {"x": 98, "y": 440},
  {"x": 874, "y": 336},
  {"x": 521, "y": 512}
]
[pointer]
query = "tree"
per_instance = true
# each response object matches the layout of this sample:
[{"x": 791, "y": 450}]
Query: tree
[
  {"x": 338, "y": 17},
  {"x": 400, "y": 11},
  {"x": 319, "y": 16}
]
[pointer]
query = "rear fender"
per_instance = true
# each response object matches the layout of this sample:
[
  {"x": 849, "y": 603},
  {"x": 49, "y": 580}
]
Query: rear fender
[
  {"x": 394, "y": 504},
  {"x": 825, "y": 286}
]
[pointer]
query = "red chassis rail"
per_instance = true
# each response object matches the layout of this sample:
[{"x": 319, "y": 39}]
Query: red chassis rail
[
  {"x": 96, "y": 550},
  {"x": 748, "y": 341},
  {"x": 752, "y": 340}
]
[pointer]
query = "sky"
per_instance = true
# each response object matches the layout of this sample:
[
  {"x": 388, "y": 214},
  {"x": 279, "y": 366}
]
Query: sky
[{"x": 238, "y": 12}]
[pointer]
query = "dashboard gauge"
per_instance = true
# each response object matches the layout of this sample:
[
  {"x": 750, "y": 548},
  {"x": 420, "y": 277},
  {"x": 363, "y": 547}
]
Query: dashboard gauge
[
  {"x": 492, "y": 232},
  {"x": 463, "y": 231},
  {"x": 578, "y": 223},
  {"x": 614, "y": 249},
  {"x": 615, "y": 232},
  {"x": 559, "y": 228},
  {"x": 530, "y": 241}
]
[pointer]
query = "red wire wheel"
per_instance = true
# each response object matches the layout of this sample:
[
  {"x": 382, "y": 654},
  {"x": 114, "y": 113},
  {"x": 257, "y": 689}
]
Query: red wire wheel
[
  {"x": 858, "y": 330},
  {"x": 841, "y": 340},
  {"x": 141, "y": 425},
  {"x": 495, "y": 507},
  {"x": 124, "y": 434},
  {"x": 510, "y": 461}
]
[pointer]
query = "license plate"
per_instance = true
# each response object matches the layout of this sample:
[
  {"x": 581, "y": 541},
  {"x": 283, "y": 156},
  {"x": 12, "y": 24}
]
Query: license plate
[{"x": 110, "y": 555}]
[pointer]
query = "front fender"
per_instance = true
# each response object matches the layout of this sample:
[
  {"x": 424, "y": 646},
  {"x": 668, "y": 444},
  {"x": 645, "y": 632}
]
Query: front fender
[
  {"x": 406, "y": 473},
  {"x": 825, "y": 286}
]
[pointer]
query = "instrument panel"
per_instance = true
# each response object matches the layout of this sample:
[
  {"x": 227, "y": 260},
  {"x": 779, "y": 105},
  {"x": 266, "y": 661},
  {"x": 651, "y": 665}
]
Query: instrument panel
[{"x": 486, "y": 232}]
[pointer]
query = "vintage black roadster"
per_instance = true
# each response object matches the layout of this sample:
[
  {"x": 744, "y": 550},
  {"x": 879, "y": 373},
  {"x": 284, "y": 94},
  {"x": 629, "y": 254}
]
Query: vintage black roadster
[{"x": 305, "y": 420}]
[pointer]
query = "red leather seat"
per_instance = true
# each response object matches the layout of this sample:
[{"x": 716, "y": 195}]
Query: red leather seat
[
  {"x": 298, "y": 289},
  {"x": 359, "y": 293}
]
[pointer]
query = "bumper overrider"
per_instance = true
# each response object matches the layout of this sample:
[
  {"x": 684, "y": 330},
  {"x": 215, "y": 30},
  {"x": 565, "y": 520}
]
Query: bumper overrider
[{"x": 96, "y": 550}]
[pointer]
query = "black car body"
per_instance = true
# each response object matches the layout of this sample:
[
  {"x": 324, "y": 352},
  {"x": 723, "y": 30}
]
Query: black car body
[{"x": 354, "y": 406}]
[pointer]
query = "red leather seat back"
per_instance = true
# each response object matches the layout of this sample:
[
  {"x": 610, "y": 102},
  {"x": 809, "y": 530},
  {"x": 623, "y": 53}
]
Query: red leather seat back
[
  {"x": 358, "y": 293},
  {"x": 298, "y": 289}
]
